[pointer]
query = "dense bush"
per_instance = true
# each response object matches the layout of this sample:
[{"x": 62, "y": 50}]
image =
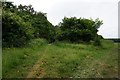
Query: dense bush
[
  {"x": 22, "y": 23},
  {"x": 97, "y": 41},
  {"x": 43, "y": 28},
  {"x": 15, "y": 31},
  {"x": 74, "y": 29}
]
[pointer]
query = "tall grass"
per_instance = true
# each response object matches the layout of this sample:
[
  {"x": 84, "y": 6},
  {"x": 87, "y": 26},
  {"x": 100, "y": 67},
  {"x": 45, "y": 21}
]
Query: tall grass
[
  {"x": 68, "y": 60},
  {"x": 62, "y": 60},
  {"x": 13, "y": 57}
]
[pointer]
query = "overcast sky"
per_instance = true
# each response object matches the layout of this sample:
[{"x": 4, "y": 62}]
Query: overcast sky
[{"x": 106, "y": 10}]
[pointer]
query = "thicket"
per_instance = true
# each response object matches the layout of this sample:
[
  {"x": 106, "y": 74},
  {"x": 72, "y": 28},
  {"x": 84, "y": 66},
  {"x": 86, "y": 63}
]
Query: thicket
[
  {"x": 23, "y": 23},
  {"x": 78, "y": 30}
]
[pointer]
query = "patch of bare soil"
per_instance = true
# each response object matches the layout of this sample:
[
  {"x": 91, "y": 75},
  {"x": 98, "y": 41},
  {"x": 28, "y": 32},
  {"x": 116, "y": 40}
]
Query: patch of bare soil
[{"x": 37, "y": 66}]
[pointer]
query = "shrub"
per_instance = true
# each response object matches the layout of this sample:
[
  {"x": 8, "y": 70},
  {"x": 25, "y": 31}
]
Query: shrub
[
  {"x": 97, "y": 41},
  {"x": 16, "y": 32},
  {"x": 73, "y": 29}
]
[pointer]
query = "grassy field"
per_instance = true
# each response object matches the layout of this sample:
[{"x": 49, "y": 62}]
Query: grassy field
[{"x": 61, "y": 60}]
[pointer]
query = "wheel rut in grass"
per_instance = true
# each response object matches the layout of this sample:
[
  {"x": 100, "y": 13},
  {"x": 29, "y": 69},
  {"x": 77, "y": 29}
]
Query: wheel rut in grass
[{"x": 37, "y": 66}]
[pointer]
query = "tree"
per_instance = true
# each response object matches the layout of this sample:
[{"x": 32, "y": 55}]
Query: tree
[
  {"x": 15, "y": 31},
  {"x": 43, "y": 28},
  {"x": 74, "y": 29},
  {"x": 22, "y": 23}
]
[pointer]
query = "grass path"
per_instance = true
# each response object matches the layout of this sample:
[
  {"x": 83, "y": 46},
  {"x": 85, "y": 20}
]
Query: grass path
[
  {"x": 37, "y": 65},
  {"x": 55, "y": 63}
]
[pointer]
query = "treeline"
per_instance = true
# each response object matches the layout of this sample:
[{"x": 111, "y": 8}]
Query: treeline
[
  {"x": 76, "y": 30},
  {"x": 22, "y": 23}
]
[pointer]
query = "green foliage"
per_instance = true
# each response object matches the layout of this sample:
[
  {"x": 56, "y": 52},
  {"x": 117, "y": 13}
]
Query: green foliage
[
  {"x": 36, "y": 43},
  {"x": 43, "y": 28},
  {"x": 26, "y": 10},
  {"x": 74, "y": 30},
  {"x": 15, "y": 31},
  {"x": 101, "y": 37},
  {"x": 9, "y": 6},
  {"x": 58, "y": 33},
  {"x": 98, "y": 23},
  {"x": 97, "y": 41},
  {"x": 22, "y": 23}
]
